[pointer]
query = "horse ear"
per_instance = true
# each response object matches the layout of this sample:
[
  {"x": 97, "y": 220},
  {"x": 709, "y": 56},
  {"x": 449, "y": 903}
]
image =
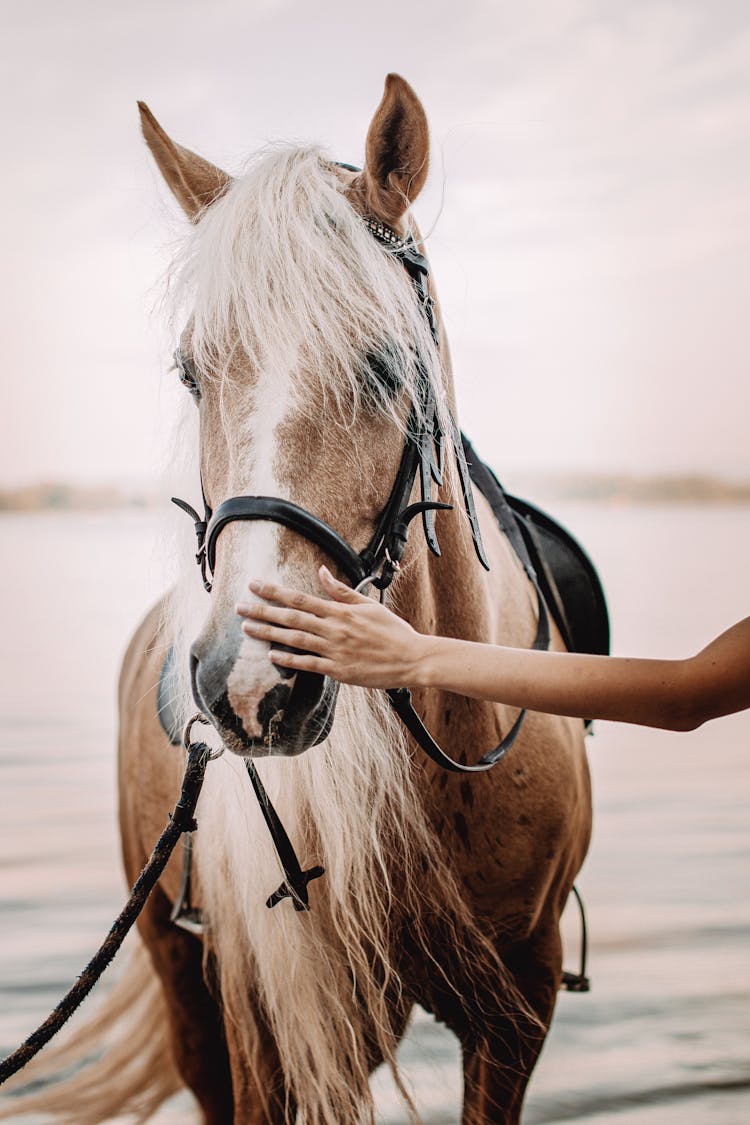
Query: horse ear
[
  {"x": 397, "y": 152},
  {"x": 194, "y": 182}
]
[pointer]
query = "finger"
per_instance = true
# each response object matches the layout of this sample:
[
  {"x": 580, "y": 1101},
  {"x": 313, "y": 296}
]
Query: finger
[
  {"x": 288, "y": 618},
  {"x": 286, "y": 596},
  {"x": 339, "y": 590},
  {"x": 301, "y": 662},
  {"x": 297, "y": 638}
]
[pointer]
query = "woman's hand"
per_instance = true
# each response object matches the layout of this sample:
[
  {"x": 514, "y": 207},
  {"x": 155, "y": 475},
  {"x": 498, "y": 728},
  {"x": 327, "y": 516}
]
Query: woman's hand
[{"x": 349, "y": 637}]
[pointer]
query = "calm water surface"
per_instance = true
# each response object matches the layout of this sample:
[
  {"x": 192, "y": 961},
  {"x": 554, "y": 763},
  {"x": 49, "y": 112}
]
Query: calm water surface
[{"x": 663, "y": 1036}]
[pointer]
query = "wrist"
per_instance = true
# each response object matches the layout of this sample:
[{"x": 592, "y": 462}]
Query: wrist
[{"x": 424, "y": 662}]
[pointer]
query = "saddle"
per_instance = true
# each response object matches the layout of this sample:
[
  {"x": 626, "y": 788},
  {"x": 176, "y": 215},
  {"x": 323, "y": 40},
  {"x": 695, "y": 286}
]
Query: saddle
[{"x": 567, "y": 577}]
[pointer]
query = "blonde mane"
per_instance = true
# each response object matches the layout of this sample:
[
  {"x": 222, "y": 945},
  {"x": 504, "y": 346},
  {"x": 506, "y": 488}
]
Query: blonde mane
[{"x": 282, "y": 265}]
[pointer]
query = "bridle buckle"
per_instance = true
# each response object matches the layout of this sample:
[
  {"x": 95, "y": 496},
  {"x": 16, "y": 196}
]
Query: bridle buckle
[{"x": 393, "y": 563}]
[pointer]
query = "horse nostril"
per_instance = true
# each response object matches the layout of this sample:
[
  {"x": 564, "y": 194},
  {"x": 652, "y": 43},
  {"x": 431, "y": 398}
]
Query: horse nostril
[
  {"x": 271, "y": 708},
  {"x": 194, "y": 682}
]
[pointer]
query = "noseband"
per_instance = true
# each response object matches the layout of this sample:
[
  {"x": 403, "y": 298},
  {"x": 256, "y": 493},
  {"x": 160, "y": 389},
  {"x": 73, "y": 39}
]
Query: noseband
[{"x": 378, "y": 563}]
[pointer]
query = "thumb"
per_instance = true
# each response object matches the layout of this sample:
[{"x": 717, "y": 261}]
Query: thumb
[{"x": 338, "y": 590}]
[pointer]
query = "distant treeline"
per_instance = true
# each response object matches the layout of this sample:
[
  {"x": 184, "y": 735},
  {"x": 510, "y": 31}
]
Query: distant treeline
[
  {"x": 594, "y": 487},
  {"x": 623, "y": 488},
  {"x": 72, "y": 497}
]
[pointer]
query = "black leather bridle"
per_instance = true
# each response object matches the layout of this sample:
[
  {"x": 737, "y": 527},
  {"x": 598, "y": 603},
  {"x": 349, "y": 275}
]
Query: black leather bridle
[{"x": 377, "y": 564}]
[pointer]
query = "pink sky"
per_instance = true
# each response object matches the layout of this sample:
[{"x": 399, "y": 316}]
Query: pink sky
[{"x": 592, "y": 252}]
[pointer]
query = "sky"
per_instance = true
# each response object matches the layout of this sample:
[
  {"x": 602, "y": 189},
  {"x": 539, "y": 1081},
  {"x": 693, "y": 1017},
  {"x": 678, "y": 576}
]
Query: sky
[{"x": 588, "y": 208}]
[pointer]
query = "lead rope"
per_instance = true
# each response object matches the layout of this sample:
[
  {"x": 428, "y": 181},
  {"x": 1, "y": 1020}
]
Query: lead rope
[{"x": 181, "y": 820}]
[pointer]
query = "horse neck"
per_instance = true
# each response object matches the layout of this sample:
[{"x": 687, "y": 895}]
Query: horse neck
[
  {"x": 454, "y": 595},
  {"x": 445, "y": 596}
]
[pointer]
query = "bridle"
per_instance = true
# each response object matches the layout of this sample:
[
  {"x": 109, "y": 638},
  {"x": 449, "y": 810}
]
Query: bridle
[{"x": 378, "y": 563}]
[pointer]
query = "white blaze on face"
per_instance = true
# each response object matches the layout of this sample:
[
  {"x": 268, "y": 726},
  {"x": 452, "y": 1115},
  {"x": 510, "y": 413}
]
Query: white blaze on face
[{"x": 257, "y": 554}]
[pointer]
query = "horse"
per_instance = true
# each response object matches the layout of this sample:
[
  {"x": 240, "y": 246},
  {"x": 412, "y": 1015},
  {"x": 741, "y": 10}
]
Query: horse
[{"x": 305, "y": 353}]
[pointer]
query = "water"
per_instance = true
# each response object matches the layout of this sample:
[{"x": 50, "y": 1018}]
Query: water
[{"x": 663, "y": 1035}]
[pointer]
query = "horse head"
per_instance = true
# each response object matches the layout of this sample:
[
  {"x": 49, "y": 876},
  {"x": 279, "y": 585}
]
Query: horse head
[{"x": 307, "y": 355}]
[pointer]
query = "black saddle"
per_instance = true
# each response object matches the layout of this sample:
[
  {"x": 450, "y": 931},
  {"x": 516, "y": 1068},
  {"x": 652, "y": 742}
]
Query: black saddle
[{"x": 567, "y": 577}]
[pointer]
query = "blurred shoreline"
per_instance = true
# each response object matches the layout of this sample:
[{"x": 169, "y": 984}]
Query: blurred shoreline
[{"x": 604, "y": 488}]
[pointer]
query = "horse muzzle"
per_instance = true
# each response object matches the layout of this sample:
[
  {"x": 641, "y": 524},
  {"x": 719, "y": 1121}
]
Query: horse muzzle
[{"x": 259, "y": 709}]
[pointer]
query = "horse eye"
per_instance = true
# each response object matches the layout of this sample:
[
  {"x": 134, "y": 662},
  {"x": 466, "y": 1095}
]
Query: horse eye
[
  {"x": 186, "y": 374},
  {"x": 381, "y": 372}
]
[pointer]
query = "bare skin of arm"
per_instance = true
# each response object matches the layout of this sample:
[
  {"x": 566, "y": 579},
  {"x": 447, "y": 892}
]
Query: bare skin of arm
[{"x": 355, "y": 640}]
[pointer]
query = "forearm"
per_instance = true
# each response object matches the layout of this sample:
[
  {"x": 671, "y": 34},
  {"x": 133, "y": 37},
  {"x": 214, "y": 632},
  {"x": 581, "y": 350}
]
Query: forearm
[
  {"x": 356, "y": 641},
  {"x": 650, "y": 692}
]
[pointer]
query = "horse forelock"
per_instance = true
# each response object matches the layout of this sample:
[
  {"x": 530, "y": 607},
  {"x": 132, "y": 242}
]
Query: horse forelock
[{"x": 283, "y": 266}]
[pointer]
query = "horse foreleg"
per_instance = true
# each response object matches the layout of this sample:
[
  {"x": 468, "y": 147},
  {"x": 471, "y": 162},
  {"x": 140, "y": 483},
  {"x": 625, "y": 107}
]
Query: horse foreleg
[
  {"x": 271, "y": 1105},
  {"x": 497, "y": 1066},
  {"x": 208, "y": 1054},
  {"x": 195, "y": 1025}
]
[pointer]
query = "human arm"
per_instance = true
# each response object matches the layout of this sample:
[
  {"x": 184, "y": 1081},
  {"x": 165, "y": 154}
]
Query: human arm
[
  {"x": 673, "y": 694},
  {"x": 355, "y": 640}
]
